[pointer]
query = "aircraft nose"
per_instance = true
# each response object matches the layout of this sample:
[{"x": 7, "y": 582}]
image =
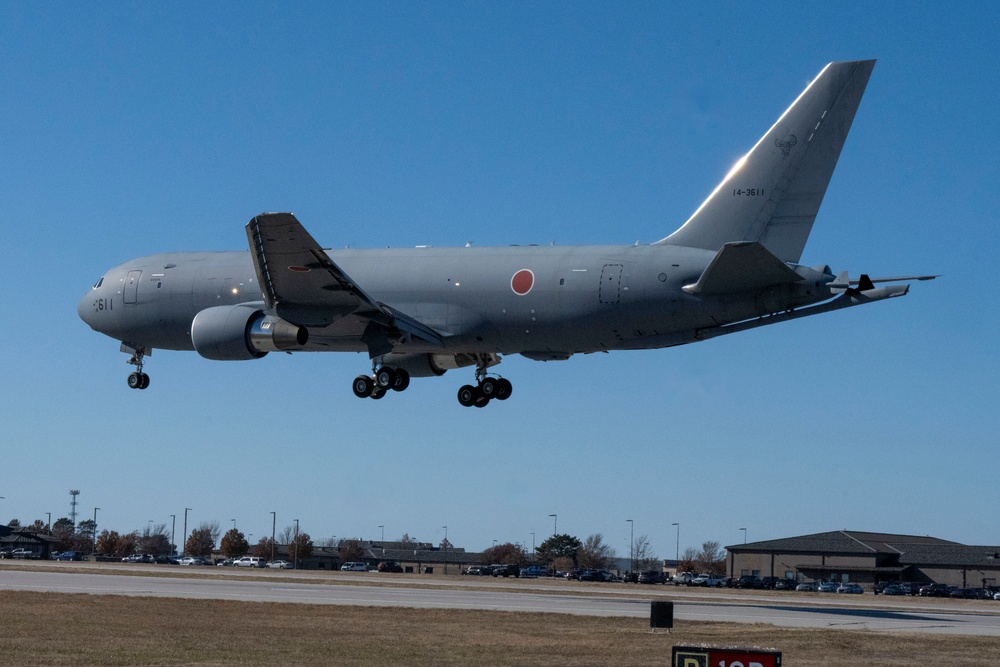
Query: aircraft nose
[{"x": 86, "y": 308}]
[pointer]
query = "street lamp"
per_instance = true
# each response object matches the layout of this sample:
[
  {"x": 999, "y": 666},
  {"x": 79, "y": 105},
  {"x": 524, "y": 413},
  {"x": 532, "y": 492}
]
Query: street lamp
[
  {"x": 173, "y": 531},
  {"x": 445, "y": 549},
  {"x": 555, "y": 518},
  {"x": 94, "y": 550},
  {"x": 631, "y": 546},
  {"x": 532, "y": 547},
  {"x": 382, "y": 542},
  {"x": 49, "y": 524},
  {"x": 184, "y": 546},
  {"x": 744, "y": 535},
  {"x": 273, "y": 517},
  {"x": 234, "y": 523},
  {"x": 295, "y": 543},
  {"x": 677, "y": 544}
]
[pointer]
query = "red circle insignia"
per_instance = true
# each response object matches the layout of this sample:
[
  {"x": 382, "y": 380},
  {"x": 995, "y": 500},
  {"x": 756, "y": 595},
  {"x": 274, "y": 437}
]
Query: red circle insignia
[{"x": 522, "y": 282}]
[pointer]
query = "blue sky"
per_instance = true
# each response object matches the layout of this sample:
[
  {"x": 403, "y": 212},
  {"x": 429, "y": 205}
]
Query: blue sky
[{"x": 133, "y": 128}]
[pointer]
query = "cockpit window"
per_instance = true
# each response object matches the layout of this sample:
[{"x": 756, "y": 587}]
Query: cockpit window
[{"x": 99, "y": 283}]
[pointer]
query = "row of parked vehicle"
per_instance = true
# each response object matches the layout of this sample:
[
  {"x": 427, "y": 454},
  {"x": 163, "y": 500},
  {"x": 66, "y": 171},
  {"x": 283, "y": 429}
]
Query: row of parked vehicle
[{"x": 936, "y": 590}]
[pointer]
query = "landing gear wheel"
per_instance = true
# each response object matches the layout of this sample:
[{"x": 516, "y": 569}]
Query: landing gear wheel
[
  {"x": 489, "y": 387},
  {"x": 481, "y": 402},
  {"x": 504, "y": 389},
  {"x": 144, "y": 381},
  {"x": 135, "y": 380},
  {"x": 385, "y": 377},
  {"x": 363, "y": 386},
  {"x": 402, "y": 380},
  {"x": 467, "y": 395},
  {"x": 377, "y": 393}
]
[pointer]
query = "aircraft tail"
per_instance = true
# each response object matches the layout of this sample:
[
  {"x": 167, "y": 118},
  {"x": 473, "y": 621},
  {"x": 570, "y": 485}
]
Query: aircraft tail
[{"x": 773, "y": 193}]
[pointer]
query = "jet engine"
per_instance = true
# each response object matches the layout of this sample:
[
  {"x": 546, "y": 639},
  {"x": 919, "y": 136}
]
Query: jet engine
[{"x": 236, "y": 333}]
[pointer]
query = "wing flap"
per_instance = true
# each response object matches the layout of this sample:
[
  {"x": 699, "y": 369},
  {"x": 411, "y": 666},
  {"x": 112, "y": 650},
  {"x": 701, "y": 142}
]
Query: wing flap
[
  {"x": 742, "y": 267},
  {"x": 303, "y": 285}
]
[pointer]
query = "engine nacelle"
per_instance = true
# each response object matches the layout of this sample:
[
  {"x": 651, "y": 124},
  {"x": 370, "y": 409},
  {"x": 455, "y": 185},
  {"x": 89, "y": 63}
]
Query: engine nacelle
[
  {"x": 237, "y": 333},
  {"x": 425, "y": 365}
]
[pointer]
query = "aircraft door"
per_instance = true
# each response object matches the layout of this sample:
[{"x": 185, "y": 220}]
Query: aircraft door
[
  {"x": 131, "y": 286},
  {"x": 611, "y": 281}
]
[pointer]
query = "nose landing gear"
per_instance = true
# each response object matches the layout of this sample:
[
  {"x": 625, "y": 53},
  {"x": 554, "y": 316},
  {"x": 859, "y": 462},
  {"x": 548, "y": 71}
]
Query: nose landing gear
[{"x": 138, "y": 379}]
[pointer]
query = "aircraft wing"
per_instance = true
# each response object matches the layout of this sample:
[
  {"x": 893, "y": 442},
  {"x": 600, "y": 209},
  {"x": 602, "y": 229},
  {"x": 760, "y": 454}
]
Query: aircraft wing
[
  {"x": 303, "y": 285},
  {"x": 742, "y": 267}
]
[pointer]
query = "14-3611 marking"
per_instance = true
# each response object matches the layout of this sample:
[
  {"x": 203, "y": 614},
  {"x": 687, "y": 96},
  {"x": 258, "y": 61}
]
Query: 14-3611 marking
[{"x": 748, "y": 192}]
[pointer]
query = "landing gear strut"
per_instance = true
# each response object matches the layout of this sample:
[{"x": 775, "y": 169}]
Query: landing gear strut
[
  {"x": 380, "y": 381},
  {"x": 486, "y": 389},
  {"x": 138, "y": 379}
]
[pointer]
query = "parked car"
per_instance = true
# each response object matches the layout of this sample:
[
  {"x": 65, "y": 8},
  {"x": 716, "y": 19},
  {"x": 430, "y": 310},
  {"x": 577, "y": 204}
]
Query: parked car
[
  {"x": 827, "y": 587},
  {"x": 707, "y": 580},
  {"x": 630, "y": 577},
  {"x": 139, "y": 558},
  {"x": 652, "y": 577},
  {"x": 785, "y": 584},
  {"x": 505, "y": 570},
  {"x": 354, "y": 566},
  {"x": 596, "y": 575},
  {"x": 749, "y": 581},
  {"x": 476, "y": 571},
  {"x": 68, "y": 555},
  {"x": 935, "y": 591},
  {"x": 850, "y": 588},
  {"x": 249, "y": 561},
  {"x": 226, "y": 563},
  {"x": 26, "y": 554},
  {"x": 389, "y": 566},
  {"x": 896, "y": 589},
  {"x": 996, "y": 596},
  {"x": 534, "y": 571},
  {"x": 769, "y": 582},
  {"x": 193, "y": 560},
  {"x": 806, "y": 586},
  {"x": 684, "y": 578},
  {"x": 281, "y": 565}
]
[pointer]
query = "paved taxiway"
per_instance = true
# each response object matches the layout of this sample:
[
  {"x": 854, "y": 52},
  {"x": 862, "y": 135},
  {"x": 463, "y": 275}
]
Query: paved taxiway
[{"x": 906, "y": 615}]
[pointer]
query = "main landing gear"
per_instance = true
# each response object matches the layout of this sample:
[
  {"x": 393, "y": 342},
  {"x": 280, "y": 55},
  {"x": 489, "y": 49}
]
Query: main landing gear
[
  {"x": 381, "y": 380},
  {"x": 138, "y": 379},
  {"x": 485, "y": 390}
]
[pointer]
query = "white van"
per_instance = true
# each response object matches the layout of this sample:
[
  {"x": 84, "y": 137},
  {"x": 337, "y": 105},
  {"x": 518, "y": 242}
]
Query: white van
[
  {"x": 354, "y": 567},
  {"x": 249, "y": 561}
]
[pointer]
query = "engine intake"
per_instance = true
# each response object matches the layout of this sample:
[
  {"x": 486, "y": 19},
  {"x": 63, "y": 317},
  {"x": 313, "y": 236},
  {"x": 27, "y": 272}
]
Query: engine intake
[{"x": 238, "y": 333}]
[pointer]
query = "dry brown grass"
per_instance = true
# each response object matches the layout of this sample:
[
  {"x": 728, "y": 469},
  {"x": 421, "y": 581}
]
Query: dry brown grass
[{"x": 63, "y": 629}]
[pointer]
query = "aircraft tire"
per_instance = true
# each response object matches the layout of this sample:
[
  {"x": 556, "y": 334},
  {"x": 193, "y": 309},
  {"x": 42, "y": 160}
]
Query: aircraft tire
[
  {"x": 378, "y": 393},
  {"x": 134, "y": 381},
  {"x": 363, "y": 386},
  {"x": 385, "y": 377},
  {"x": 489, "y": 387},
  {"x": 482, "y": 402},
  {"x": 467, "y": 395},
  {"x": 402, "y": 380},
  {"x": 143, "y": 380},
  {"x": 504, "y": 389}
]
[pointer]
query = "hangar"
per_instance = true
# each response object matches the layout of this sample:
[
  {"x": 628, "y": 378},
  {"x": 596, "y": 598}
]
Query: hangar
[{"x": 864, "y": 557}]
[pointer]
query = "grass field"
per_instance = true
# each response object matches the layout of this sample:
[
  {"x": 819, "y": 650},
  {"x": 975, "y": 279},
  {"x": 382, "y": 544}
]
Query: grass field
[{"x": 71, "y": 629}]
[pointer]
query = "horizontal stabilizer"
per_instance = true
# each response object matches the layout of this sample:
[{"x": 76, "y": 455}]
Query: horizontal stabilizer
[{"x": 742, "y": 267}]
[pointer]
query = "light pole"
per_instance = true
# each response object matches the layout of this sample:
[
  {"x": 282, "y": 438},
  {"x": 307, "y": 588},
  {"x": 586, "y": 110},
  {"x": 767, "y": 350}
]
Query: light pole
[
  {"x": 555, "y": 519},
  {"x": 234, "y": 523},
  {"x": 382, "y": 541},
  {"x": 631, "y": 545},
  {"x": 445, "y": 549},
  {"x": 677, "y": 545},
  {"x": 94, "y": 550},
  {"x": 273, "y": 517},
  {"x": 184, "y": 546},
  {"x": 532, "y": 547},
  {"x": 173, "y": 531},
  {"x": 49, "y": 524},
  {"x": 295, "y": 543},
  {"x": 744, "y": 535}
]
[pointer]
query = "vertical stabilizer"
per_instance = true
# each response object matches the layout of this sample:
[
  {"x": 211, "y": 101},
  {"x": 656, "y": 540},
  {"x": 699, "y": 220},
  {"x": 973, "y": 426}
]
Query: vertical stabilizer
[{"x": 773, "y": 193}]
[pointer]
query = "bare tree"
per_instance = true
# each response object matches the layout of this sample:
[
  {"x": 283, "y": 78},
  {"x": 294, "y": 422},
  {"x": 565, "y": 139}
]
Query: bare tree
[
  {"x": 505, "y": 554},
  {"x": 200, "y": 542},
  {"x": 689, "y": 560},
  {"x": 712, "y": 557},
  {"x": 301, "y": 547},
  {"x": 642, "y": 551},
  {"x": 351, "y": 550},
  {"x": 595, "y": 553}
]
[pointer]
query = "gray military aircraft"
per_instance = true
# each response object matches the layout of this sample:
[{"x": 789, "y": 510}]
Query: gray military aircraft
[{"x": 733, "y": 266}]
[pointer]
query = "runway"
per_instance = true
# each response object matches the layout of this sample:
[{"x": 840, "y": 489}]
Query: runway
[{"x": 539, "y": 596}]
